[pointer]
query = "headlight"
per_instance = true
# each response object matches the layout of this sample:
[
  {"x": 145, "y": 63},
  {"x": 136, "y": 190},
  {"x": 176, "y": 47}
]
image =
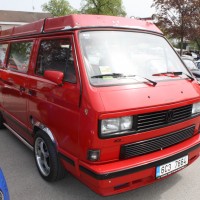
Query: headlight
[
  {"x": 196, "y": 108},
  {"x": 116, "y": 125}
]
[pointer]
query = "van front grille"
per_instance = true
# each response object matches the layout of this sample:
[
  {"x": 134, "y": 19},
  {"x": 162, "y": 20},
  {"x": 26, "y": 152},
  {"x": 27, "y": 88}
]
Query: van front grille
[
  {"x": 155, "y": 144},
  {"x": 162, "y": 118}
]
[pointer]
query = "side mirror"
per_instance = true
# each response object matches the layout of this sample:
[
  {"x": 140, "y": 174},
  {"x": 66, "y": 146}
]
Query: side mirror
[{"x": 54, "y": 76}]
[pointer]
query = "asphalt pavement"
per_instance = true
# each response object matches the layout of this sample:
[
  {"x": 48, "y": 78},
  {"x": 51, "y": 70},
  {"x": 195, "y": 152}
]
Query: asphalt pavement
[{"x": 25, "y": 183}]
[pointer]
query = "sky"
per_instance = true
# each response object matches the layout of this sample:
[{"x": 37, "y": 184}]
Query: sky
[{"x": 136, "y": 8}]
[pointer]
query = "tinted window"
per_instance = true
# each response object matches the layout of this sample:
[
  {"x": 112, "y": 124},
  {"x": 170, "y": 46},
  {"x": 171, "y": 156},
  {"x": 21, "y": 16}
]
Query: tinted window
[
  {"x": 20, "y": 56},
  {"x": 56, "y": 55},
  {"x": 3, "y": 48}
]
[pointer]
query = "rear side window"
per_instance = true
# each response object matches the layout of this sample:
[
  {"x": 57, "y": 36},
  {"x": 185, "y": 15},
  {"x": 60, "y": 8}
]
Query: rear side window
[
  {"x": 19, "y": 56},
  {"x": 56, "y": 55},
  {"x": 3, "y": 49}
]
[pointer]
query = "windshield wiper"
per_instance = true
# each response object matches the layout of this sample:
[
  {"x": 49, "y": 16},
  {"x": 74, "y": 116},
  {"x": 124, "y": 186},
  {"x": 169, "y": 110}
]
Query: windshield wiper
[
  {"x": 114, "y": 75},
  {"x": 173, "y": 73},
  {"x": 120, "y": 75},
  {"x": 137, "y": 76}
]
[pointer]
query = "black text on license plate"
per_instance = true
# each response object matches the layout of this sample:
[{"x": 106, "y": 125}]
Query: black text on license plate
[{"x": 173, "y": 166}]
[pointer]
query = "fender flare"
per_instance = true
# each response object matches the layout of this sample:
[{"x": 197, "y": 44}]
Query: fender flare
[{"x": 41, "y": 126}]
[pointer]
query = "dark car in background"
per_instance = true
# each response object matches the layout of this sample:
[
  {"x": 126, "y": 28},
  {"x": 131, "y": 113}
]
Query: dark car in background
[{"x": 197, "y": 63}]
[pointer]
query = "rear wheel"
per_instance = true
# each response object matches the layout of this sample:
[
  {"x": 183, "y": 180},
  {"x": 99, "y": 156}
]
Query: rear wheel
[{"x": 46, "y": 158}]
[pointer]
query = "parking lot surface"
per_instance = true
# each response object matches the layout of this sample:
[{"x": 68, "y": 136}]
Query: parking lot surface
[{"x": 25, "y": 183}]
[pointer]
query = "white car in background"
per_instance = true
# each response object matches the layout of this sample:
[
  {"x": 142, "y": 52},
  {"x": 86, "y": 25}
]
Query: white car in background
[{"x": 191, "y": 65}]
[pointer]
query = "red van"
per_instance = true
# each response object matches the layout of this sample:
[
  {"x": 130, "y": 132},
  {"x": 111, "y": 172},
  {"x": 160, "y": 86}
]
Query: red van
[{"x": 105, "y": 98}]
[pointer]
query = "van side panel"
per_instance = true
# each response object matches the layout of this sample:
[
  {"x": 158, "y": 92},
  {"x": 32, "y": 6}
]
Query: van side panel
[
  {"x": 57, "y": 107},
  {"x": 15, "y": 102},
  {"x": 14, "y": 92}
]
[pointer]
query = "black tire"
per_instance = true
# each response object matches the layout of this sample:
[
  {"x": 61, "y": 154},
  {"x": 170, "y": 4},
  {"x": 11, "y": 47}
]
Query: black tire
[{"x": 46, "y": 158}]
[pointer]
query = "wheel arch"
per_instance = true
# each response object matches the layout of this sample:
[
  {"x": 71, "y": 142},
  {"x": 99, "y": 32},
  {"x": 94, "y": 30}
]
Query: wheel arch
[{"x": 37, "y": 125}]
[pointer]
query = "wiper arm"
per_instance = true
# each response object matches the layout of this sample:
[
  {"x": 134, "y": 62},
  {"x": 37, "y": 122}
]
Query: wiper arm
[
  {"x": 167, "y": 73},
  {"x": 153, "y": 82},
  {"x": 173, "y": 73},
  {"x": 114, "y": 75},
  {"x": 190, "y": 77},
  {"x": 120, "y": 75}
]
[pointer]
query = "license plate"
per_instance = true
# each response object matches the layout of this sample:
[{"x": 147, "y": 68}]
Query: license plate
[{"x": 171, "y": 167}]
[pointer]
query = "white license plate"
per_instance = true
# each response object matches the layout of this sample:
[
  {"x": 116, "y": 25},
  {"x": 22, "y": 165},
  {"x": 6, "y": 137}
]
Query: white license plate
[{"x": 171, "y": 167}]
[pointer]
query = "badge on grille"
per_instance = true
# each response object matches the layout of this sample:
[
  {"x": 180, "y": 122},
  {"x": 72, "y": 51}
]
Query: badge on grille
[{"x": 169, "y": 116}]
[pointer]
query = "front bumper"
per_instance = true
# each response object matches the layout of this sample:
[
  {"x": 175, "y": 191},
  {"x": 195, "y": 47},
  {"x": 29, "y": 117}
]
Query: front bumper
[{"x": 121, "y": 176}]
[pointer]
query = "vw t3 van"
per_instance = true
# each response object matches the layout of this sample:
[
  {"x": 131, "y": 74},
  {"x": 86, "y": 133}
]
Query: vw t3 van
[{"x": 105, "y": 98}]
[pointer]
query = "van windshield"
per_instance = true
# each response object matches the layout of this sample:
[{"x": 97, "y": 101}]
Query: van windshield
[{"x": 119, "y": 57}]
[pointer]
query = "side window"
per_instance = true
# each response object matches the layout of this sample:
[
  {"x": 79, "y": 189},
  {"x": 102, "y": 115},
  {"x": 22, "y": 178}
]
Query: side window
[
  {"x": 56, "y": 55},
  {"x": 3, "y": 49},
  {"x": 19, "y": 56}
]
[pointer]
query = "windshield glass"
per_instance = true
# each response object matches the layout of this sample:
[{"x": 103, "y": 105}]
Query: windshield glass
[{"x": 119, "y": 57}]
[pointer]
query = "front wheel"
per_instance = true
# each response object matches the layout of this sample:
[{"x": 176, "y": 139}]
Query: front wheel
[{"x": 46, "y": 158}]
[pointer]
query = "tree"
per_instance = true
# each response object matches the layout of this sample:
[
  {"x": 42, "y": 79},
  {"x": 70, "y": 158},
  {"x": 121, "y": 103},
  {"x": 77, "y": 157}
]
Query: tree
[
  {"x": 178, "y": 18},
  {"x": 103, "y": 7},
  {"x": 58, "y": 7},
  {"x": 194, "y": 29}
]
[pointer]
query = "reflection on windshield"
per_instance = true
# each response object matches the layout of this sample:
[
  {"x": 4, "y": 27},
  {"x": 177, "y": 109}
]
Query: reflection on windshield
[{"x": 128, "y": 53}]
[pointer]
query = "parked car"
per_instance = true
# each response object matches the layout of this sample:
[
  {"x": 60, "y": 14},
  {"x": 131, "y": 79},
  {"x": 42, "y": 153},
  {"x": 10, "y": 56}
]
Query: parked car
[
  {"x": 191, "y": 66},
  {"x": 4, "y": 194},
  {"x": 198, "y": 63},
  {"x": 105, "y": 98}
]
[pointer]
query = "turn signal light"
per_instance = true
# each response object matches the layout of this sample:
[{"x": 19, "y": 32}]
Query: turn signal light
[{"x": 93, "y": 155}]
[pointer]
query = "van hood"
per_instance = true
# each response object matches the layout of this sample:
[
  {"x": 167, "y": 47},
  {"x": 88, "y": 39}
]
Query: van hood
[{"x": 143, "y": 96}]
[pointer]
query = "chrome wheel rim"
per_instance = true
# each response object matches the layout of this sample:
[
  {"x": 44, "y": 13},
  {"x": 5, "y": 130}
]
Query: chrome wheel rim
[{"x": 42, "y": 156}]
